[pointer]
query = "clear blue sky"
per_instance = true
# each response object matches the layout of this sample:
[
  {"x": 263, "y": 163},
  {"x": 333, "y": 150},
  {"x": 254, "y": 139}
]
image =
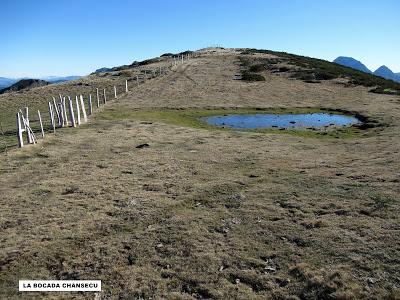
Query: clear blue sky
[{"x": 71, "y": 37}]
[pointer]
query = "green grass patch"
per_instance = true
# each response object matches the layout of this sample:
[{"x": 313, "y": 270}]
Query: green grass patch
[{"x": 192, "y": 117}]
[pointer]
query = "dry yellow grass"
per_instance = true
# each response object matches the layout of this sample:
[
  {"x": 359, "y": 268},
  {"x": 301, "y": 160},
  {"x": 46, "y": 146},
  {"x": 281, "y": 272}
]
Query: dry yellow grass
[{"x": 206, "y": 213}]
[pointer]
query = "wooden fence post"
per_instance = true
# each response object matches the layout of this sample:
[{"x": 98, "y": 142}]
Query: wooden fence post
[
  {"x": 126, "y": 85},
  {"x": 71, "y": 112},
  {"x": 90, "y": 104},
  {"x": 60, "y": 109},
  {"x": 105, "y": 97},
  {"x": 115, "y": 92},
  {"x": 83, "y": 109},
  {"x": 78, "y": 111},
  {"x": 41, "y": 124},
  {"x": 19, "y": 131},
  {"x": 65, "y": 112},
  {"x": 98, "y": 98},
  {"x": 51, "y": 113},
  {"x": 26, "y": 124},
  {"x": 28, "y": 129},
  {"x": 56, "y": 110},
  {"x": 137, "y": 80}
]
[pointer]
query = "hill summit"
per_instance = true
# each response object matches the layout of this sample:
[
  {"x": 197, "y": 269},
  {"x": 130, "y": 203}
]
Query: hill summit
[
  {"x": 24, "y": 84},
  {"x": 352, "y": 63},
  {"x": 382, "y": 71},
  {"x": 385, "y": 72}
]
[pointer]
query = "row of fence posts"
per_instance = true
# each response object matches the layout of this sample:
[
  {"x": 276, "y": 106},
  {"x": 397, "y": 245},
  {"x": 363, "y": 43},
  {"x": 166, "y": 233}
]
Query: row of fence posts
[{"x": 60, "y": 116}]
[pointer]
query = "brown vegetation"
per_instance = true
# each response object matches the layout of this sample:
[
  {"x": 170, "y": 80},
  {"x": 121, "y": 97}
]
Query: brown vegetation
[{"x": 200, "y": 213}]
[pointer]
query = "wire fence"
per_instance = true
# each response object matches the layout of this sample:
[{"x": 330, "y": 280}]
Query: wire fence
[{"x": 64, "y": 111}]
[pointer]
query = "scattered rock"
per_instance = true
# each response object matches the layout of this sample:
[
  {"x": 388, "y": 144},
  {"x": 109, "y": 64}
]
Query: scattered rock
[
  {"x": 234, "y": 200},
  {"x": 71, "y": 190},
  {"x": 282, "y": 281},
  {"x": 141, "y": 146},
  {"x": 270, "y": 269},
  {"x": 132, "y": 202}
]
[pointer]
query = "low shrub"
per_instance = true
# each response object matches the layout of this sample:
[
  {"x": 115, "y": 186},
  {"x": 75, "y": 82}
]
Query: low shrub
[
  {"x": 257, "y": 68},
  {"x": 247, "y": 76}
]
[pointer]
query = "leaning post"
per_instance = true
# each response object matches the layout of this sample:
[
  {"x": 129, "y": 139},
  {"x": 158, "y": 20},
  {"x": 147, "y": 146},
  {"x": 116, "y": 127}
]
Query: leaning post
[
  {"x": 41, "y": 124},
  {"x": 56, "y": 110},
  {"x": 83, "y": 109},
  {"x": 51, "y": 113},
  {"x": 30, "y": 138}
]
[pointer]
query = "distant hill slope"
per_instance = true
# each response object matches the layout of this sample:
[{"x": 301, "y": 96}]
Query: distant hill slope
[
  {"x": 314, "y": 70},
  {"x": 101, "y": 70},
  {"x": 6, "y": 82},
  {"x": 352, "y": 63},
  {"x": 385, "y": 72},
  {"x": 24, "y": 84}
]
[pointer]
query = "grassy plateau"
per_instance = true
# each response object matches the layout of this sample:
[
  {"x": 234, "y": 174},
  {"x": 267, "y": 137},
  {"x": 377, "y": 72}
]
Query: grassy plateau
[{"x": 159, "y": 205}]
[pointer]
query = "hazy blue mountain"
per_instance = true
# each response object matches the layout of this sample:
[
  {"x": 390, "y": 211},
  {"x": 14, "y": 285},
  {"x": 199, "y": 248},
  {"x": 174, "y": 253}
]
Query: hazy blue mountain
[
  {"x": 6, "y": 82},
  {"x": 54, "y": 79},
  {"x": 351, "y": 63},
  {"x": 385, "y": 72}
]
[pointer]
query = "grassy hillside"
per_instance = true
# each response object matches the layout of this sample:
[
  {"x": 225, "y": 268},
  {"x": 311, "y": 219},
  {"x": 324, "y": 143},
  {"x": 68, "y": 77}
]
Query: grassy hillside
[
  {"x": 313, "y": 69},
  {"x": 206, "y": 213},
  {"x": 37, "y": 98}
]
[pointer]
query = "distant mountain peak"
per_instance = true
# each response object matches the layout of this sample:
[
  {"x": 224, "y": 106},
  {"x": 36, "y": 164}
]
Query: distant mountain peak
[
  {"x": 351, "y": 63},
  {"x": 385, "y": 72},
  {"x": 383, "y": 68},
  {"x": 382, "y": 71}
]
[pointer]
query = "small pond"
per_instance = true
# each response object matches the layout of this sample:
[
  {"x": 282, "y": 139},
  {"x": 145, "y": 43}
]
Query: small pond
[{"x": 286, "y": 121}]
